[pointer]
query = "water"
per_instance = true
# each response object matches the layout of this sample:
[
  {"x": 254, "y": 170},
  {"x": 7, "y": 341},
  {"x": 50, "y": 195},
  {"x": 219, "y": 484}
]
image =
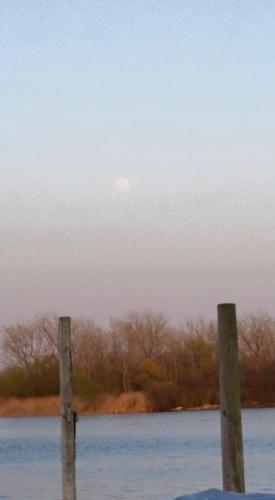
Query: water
[{"x": 132, "y": 457}]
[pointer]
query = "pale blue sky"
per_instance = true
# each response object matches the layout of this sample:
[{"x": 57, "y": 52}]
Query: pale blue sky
[{"x": 177, "y": 96}]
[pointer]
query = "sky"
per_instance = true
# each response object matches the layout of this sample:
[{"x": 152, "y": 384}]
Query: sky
[{"x": 176, "y": 98}]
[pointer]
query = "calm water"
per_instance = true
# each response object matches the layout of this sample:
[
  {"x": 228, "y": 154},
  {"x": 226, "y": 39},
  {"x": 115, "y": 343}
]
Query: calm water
[{"x": 141, "y": 457}]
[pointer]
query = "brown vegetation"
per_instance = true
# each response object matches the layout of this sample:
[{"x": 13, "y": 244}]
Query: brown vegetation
[
  {"x": 130, "y": 402},
  {"x": 140, "y": 363},
  {"x": 36, "y": 407},
  {"x": 48, "y": 406}
]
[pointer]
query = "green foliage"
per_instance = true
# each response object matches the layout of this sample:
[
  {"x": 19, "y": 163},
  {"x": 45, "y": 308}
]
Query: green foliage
[
  {"x": 152, "y": 370},
  {"x": 14, "y": 382},
  {"x": 88, "y": 390},
  {"x": 45, "y": 380},
  {"x": 39, "y": 379},
  {"x": 200, "y": 353},
  {"x": 164, "y": 395}
]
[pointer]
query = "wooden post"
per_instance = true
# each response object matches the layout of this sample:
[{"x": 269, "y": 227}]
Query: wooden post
[
  {"x": 230, "y": 407},
  {"x": 68, "y": 416}
]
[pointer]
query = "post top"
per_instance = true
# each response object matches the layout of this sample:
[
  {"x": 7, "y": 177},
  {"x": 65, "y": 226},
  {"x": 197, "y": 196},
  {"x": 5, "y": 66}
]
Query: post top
[{"x": 227, "y": 304}]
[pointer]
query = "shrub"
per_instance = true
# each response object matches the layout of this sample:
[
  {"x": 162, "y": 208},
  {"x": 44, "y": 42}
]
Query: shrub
[
  {"x": 14, "y": 382},
  {"x": 164, "y": 395},
  {"x": 86, "y": 389}
]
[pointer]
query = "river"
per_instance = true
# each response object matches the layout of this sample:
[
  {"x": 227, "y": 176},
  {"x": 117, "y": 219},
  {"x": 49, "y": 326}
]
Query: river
[{"x": 132, "y": 457}]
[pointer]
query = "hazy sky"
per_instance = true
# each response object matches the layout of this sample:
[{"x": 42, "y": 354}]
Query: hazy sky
[{"x": 178, "y": 97}]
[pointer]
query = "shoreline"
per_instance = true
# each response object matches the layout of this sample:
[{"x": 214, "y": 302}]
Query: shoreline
[
  {"x": 109, "y": 405},
  {"x": 248, "y": 406}
]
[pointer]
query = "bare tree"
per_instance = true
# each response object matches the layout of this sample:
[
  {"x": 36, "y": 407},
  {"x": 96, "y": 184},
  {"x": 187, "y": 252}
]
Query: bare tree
[
  {"x": 257, "y": 339},
  {"x": 147, "y": 331},
  {"x": 122, "y": 350},
  {"x": 25, "y": 344},
  {"x": 90, "y": 346}
]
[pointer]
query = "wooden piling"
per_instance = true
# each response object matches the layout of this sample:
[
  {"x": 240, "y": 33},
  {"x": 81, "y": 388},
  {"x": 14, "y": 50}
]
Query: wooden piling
[
  {"x": 230, "y": 408},
  {"x": 68, "y": 416}
]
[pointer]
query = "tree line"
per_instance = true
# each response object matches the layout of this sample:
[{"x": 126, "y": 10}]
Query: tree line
[{"x": 141, "y": 352}]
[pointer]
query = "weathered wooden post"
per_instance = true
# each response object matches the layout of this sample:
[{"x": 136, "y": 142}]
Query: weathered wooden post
[
  {"x": 230, "y": 407},
  {"x": 68, "y": 416}
]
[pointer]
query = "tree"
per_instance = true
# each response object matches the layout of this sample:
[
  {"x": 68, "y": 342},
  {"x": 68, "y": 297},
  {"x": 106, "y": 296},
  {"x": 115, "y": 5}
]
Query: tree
[
  {"x": 123, "y": 356},
  {"x": 25, "y": 345},
  {"x": 199, "y": 364},
  {"x": 257, "y": 356},
  {"x": 90, "y": 347},
  {"x": 147, "y": 333}
]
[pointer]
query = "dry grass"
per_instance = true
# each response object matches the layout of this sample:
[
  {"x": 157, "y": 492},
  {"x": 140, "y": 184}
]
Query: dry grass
[
  {"x": 132, "y": 402},
  {"x": 28, "y": 407}
]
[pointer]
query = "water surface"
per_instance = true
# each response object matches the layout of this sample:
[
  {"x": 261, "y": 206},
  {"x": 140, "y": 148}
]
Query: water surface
[{"x": 132, "y": 457}]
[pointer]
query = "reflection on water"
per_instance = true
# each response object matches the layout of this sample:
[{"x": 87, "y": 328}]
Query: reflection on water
[{"x": 132, "y": 457}]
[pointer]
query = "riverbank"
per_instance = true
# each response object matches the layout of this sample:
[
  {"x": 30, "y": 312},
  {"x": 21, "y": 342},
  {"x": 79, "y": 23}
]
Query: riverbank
[{"x": 132, "y": 402}]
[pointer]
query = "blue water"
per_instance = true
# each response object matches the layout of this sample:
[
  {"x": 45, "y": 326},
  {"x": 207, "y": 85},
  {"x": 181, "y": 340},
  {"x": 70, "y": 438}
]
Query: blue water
[{"x": 127, "y": 457}]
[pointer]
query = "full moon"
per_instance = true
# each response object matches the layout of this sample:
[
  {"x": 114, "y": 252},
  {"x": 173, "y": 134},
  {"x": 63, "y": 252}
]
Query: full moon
[{"x": 122, "y": 184}]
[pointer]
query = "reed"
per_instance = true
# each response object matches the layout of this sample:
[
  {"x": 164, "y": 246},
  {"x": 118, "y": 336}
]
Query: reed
[{"x": 131, "y": 402}]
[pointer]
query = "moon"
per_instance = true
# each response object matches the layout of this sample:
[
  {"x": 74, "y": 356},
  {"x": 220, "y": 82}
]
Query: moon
[{"x": 122, "y": 184}]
